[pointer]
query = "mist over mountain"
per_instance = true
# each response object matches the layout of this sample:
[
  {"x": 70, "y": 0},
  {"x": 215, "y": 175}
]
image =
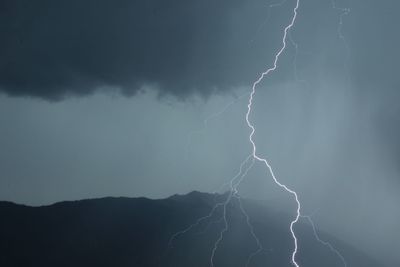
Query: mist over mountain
[{"x": 138, "y": 231}]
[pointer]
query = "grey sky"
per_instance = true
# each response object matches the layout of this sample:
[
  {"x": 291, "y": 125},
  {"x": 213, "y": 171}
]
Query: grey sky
[{"x": 109, "y": 101}]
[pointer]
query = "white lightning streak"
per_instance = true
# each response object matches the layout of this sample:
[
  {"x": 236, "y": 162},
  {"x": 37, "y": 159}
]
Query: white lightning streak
[
  {"x": 238, "y": 178},
  {"x": 251, "y": 126}
]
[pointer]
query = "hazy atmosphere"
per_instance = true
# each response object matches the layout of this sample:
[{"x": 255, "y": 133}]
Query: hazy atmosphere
[{"x": 148, "y": 98}]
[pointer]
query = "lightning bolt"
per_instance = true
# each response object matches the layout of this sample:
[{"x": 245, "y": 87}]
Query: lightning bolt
[
  {"x": 249, "y": 161},
  {"x": 252, "y": 130},
  {"x": 238, "y": 178}
]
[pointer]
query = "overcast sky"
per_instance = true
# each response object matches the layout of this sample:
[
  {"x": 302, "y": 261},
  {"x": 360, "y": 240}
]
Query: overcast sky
[{"x": 109, "y": 98}]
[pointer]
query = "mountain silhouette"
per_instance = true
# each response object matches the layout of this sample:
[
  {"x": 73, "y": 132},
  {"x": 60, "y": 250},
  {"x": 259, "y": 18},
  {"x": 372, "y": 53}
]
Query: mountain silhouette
[{"x": 137, "y": 232}]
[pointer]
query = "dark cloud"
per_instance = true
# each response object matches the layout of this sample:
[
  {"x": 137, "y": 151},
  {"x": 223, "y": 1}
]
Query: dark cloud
[{"x": 55, "y": 48}]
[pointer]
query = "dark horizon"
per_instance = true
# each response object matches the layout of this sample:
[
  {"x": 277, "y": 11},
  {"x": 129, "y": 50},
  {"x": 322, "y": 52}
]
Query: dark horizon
[{"x": 112, "y": 228}]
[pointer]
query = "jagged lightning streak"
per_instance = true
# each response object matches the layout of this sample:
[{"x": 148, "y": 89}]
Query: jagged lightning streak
[
  {"x": 252, "y": 128},
  {"x": 233, "y": 185}
]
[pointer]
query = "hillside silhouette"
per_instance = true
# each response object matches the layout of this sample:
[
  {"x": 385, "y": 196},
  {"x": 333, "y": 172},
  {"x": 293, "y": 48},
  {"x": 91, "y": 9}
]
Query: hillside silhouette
[{"x": 137, "y": 232}]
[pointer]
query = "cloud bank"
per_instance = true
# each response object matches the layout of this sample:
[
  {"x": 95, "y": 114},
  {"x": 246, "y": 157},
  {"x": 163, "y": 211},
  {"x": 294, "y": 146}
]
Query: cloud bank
[{"x": 50, "y": 49}]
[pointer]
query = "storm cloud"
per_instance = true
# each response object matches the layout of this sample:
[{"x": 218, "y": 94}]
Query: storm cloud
[{"x": 51, "y": 49}]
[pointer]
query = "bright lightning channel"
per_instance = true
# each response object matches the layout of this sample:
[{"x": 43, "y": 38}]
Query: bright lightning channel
[
  {"x": 250, "y": 160},
  {"x": 238, "y": 178},
  {"x": 252, "y": 128}
]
